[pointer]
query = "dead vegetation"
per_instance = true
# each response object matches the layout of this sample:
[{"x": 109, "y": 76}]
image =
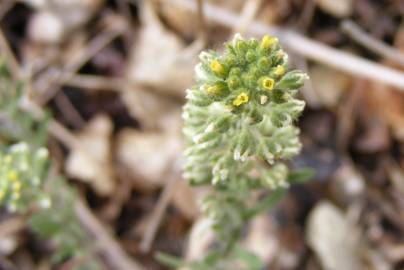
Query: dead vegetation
[{"x": 114, "y": 73}]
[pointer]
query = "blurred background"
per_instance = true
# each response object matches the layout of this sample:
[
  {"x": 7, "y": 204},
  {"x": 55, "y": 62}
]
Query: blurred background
[{"x": 114, "y": 73}]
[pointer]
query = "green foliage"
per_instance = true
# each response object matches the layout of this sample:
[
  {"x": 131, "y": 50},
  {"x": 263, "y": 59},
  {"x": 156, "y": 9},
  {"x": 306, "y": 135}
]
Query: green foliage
[
  {"x": 15, "y": 124},
  {"x": 22, "y": 171},
  {"x": 239, "y": 125},
  {"x": 28, "y": 187}
]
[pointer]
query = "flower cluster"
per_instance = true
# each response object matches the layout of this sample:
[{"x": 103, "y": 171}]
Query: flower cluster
[
  {"x": 242, "y": 107},
  {"x": 21, "y": 172}
]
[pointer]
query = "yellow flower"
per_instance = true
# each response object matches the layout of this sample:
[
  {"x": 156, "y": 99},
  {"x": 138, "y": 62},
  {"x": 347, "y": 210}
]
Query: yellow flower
[
  {"x": 267, "y": 41},
  {"x": 214, "y": 89},
  {"x": 1, "y": 194},
  {"x": 268, "y": 83},
  {"x": 240, "y": 99},
  {"x": 280, "y": 70},
  {"x": 12, "y": 176},
  {"x": 216, "y": 67},
  {"x": 17, "y": 186}
]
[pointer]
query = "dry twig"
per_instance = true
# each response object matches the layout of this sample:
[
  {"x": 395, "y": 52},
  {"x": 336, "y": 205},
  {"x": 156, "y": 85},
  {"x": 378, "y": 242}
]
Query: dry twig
[
  {"x": 111, "y": 32},
  {"x": 112, "y": 251},
  {"x": 13, "y": 64},
  {"x": 356, "y": 33},
  {"x": 311, "y": 49},
  {"x": 248, "y": 13},
  {"x": 158, "y": 212},
  {"x": 203, "y": 34}
]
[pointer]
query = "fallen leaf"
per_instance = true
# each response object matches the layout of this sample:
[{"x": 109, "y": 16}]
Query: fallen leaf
[
  {"x": 261, "y": 238},
  {"x": 348, "y": 184},
  {"x": 160, "y": 59},
  {"x": 153, "y": 111},
  {"x": 388, "y": 104},
  {"x": 328, "y": 84},
  {"x": 91, "y": 160},
  {"x": 147, "y": 156},
  {"x": 333, "y": 238}
]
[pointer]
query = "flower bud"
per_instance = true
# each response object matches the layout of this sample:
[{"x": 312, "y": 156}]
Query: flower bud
[
  {"x": 217, "y": 68},
  {"x": 267, "y": 42},
  {"x": 250, "y": 56}
]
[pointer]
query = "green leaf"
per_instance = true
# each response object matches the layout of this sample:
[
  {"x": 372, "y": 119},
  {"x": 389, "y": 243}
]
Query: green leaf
[
  {"x": 169, "y": 260},
  {"x": 268, "y": 202},
  {"x": 252, "y": 261},
  {"x": 301, "y": 175}
]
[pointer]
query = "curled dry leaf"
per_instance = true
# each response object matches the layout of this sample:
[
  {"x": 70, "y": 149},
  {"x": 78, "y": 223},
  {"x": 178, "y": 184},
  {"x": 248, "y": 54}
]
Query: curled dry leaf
[
  {"x": 90, "y": 161},
  {"x": 147, "y": 156},
  {"x": 152, "y": 110},
  {"x": 160, "y": 59},
  {"x": 328, "y": 84},
  {"x": 333, "y": 238},
  {"x": 387, "y": 104}
]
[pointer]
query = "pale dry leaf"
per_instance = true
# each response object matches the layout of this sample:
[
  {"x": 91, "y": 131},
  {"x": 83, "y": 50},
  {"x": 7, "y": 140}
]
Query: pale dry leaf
[
  {"x": 90, "y": 161},
  {"x": 387, "y": 104},
  {"x": 184, "y": 198},
  {"x": 262, "y": 239},
  {"x": 184, "y": 22},
  {"x": 148, "y": 156},
  {"x": 339, "y": 8},
  {"x": 46, "y": 27},
  {"x": 333, "y": 238},
  {"x": 200, "y": 240},
  {"x": 328, "y": 84},
  {"x": 152, "y": 110},
  {"x": 348, "y": 184},
  {"x": 8, "y": 245},
  {"x": 159, "y": 58}
]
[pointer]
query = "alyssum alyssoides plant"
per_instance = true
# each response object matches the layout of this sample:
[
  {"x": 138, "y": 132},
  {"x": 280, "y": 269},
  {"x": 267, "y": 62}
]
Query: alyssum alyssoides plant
[
  {"x": 239, "y": 125},
  {"x": 27, "y": 185}
]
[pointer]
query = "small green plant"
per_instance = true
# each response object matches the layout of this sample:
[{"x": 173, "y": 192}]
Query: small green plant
[
  {"x": 28, "y": 187},
  {"x": 240, "y": 130},
  {"x": 22, "y": 172}
]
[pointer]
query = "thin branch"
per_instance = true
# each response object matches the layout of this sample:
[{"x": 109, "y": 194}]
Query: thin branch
[
  {"x": 5, "y": 7},
  {"x": 311, "y": 49},
  {"x": 203, "y": 33},
  {"x": 356, "y": 33},
  {"x": 97, "y": 82},
  {"x": 68, "y": 110},
  {"x": 16, "y": 71},
  {"x": 248, "y": 14},
  {"x": 111, "y": 32},
  {"x": 158, "y": 213},
  {"x": 109, "y": 247},
  {"x": 306, "y": 16}
]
